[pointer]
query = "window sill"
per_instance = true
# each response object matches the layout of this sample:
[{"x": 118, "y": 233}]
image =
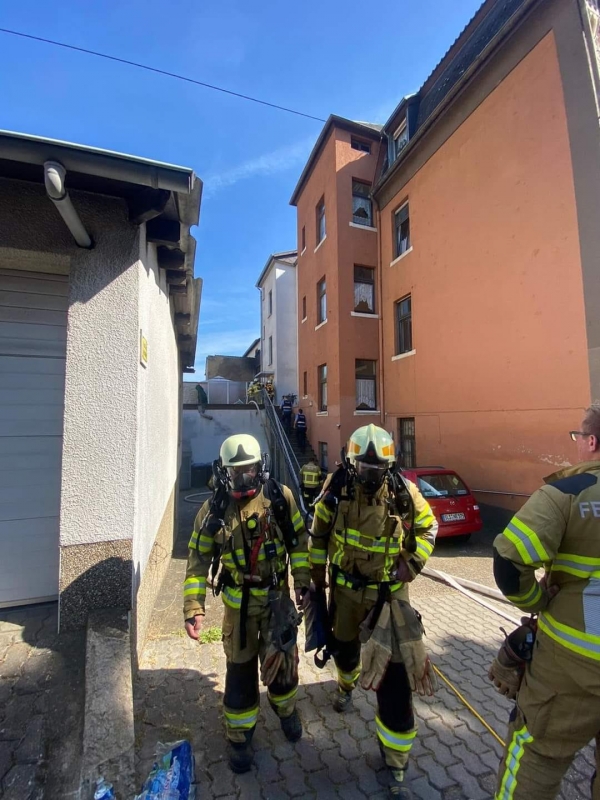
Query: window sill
[
  {"x": 322, "y": 414},
  {"x": 362, "y": 227},
  {"x": 362, "y": 314},
  {"x": 363, "y": 413},
  {"x": 304, "y": 319},
  {"x": 320, "y": 325},
  {"x": 320, "y": 243},
  {"x": 305, "y": 397},
  {"x": 405, "y": 253},
  {"x": 304, "y": 251},
  {"x": 404, "y": 355}
]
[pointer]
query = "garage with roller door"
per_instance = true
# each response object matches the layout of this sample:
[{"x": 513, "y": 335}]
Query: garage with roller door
[
  {"x": 99, "y": 314},
  {"x": 33, "y": 324}
]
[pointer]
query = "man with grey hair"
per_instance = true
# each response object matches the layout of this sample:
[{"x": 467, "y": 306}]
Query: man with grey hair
[{"x": 552, "y": 665}]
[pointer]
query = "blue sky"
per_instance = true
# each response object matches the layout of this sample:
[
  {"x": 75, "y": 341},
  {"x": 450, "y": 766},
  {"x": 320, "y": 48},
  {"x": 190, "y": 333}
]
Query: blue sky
[{"x": 349, "y": 58}]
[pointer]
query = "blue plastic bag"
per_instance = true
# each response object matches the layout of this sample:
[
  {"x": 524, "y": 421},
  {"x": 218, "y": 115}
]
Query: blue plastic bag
[{"x": 173, "y": 774}]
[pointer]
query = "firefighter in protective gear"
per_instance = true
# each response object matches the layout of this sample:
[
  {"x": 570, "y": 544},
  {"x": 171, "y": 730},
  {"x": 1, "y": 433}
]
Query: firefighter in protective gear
[
  {"x": 252, "y": 526},
  {"x": 558, "y": 702},
  {"x": 310, "y": 481},
  {"x": 358, "y": 527}
]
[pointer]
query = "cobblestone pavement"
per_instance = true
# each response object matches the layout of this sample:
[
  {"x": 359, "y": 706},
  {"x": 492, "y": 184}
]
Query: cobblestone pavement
[
  {"x": 37, "y": 669},
  {"x": 180, "y": 686}
]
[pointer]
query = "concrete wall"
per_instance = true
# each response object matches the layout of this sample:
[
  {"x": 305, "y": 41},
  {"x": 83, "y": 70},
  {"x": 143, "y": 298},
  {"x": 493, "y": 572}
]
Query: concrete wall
[
  {"x": 500, "y": 372},
  {"x": 203, "y": 436},
  {"x": 286, "y": 325}
]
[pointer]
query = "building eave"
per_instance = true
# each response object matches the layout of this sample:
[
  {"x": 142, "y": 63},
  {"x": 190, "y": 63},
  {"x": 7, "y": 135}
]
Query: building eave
[
  {"x": 490, "y": 48},
  {"x": 164, "y": 196},
  {"x": 332, "y": 122},
  {"x": 274, "y": 258}
]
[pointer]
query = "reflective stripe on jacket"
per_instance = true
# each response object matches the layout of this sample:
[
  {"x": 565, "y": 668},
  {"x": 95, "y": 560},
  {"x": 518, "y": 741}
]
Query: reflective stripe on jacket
[
  {"x": 366, "y": 539},
  {"x": 236, "y": 541},
  {"x": 310, "y": 475},
  {"x": 558, "y": 528}
]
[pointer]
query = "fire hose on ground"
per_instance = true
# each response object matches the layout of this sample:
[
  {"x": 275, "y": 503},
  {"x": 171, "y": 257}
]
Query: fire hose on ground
[{"x": 460, "y": 585}]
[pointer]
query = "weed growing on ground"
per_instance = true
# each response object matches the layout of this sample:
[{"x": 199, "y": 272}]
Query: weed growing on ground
[{"x": 210, "y": 635}]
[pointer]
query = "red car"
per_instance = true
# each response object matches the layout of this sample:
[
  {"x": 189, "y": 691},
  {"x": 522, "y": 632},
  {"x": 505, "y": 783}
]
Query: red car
[{"x": 450, "y": 499}]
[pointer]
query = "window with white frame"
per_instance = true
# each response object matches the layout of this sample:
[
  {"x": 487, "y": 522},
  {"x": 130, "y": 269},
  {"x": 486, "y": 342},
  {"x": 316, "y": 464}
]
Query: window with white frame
[
  {"x": 364, "y": 290},
  {"x": 362, "y": 205},
  {"x": 401, "y": 231},
  {"x": 270, "y": 302},
  {"x": 366, "y": 385}
]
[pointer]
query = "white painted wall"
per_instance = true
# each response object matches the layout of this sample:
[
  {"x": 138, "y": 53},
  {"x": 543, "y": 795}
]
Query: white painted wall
[
  {"x": 158, "y": 406},
  {"x": 282, "y": 325},
  {"x": 100, "y": 430},
  {"x": 286, "y": 361},
  {"x": 203, "y": 437}
]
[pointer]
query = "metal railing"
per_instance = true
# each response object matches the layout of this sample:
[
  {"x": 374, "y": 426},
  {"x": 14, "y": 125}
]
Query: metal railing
[{"x": 284, "y": 464}]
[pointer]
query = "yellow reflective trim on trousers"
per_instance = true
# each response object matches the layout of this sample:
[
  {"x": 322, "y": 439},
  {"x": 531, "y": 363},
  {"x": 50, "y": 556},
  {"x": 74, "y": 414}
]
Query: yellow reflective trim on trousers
[
  {"x": 401, "y": 742},
  {"x": 281, "y": 699},
  {"x": 246, "y": 719},
  {"x": 514, "y": 754},
  {"x": 530, "y": 598},
  {"x": 586, "y": 644},
  {"x": 349, "y": 677}
]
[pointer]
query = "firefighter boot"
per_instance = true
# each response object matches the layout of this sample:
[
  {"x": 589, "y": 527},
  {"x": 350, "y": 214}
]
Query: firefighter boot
[
  {"x": 342, "y": 701},
  {"x": 240, "y": 757},
  {"x": 397, "y": 788},
  {"x": 292, "y": 727}
]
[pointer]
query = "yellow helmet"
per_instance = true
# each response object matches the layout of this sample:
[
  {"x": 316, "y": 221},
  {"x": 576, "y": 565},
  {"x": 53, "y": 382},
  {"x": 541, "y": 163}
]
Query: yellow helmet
[
  {"x": 370, "y": 450},
  {"x": 242, "y": 460}
]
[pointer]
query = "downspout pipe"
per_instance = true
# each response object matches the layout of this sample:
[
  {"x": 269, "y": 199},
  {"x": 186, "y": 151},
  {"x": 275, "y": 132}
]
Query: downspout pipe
[{"x": 54, "y": 180}]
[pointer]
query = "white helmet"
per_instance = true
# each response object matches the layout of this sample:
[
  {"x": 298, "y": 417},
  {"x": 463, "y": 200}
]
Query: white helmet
[
  {"x": 241, "y": 457},
  {"x": 371, "y": 452}
]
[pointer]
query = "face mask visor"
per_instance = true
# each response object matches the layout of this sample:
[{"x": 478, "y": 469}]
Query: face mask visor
[
  {"x": 244, "y": 480},
  {"x": 371, "y": 476}
]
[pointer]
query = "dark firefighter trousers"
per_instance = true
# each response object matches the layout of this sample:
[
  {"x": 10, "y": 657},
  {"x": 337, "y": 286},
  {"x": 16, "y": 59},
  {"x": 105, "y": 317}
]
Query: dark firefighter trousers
[
  {"x": 395, "y": 721},
  {"x": 241, "y": 701}
]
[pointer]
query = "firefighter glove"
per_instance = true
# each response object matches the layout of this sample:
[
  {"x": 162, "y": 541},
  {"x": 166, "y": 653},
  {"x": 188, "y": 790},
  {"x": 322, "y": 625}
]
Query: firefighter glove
[
  {"x": 507, "y": 669},
  {"x": 272, "y": 663},
  {"x": 408, "y": 642},
  {"x": 377, "y": 652}
]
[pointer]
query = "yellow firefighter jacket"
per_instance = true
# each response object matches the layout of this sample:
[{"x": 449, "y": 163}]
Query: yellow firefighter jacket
[
  {"x": 558, "y": 528},
  {"x": 365, "y": 538},
  {"x": 310, "y": 475},
  {"x": 241, "y": 546}
]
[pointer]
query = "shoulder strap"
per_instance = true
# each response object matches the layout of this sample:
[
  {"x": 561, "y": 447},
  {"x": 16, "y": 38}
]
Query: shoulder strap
[{"x": 281, "y": 511}]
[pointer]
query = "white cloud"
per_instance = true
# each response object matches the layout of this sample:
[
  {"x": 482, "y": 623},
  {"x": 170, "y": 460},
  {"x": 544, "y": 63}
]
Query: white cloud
[{"x": 279, "y": 160}]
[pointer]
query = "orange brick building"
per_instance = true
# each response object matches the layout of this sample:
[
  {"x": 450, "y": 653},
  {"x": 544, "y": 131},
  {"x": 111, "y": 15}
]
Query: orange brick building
[
  {"x": 338, "y": 331},
  {"x": 485, "y": 197}
]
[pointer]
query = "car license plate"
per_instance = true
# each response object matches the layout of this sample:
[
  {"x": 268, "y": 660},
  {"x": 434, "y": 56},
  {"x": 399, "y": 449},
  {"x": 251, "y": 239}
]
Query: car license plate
[{"x": 452, "y": 517}]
